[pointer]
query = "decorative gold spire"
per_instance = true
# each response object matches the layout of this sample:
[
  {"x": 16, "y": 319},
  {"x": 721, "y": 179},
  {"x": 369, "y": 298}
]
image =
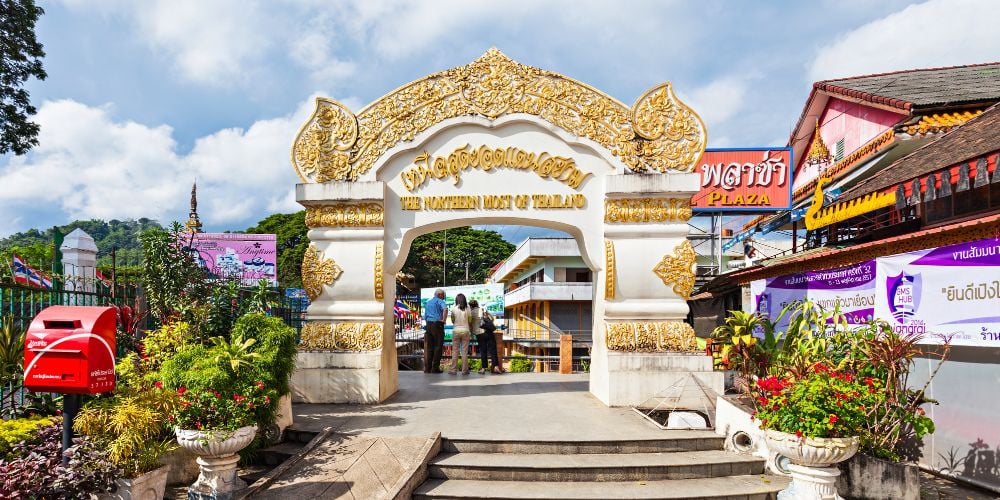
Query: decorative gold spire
[
  {"x": 818, "y": 152},
  {"x": 193, "y": 224}
]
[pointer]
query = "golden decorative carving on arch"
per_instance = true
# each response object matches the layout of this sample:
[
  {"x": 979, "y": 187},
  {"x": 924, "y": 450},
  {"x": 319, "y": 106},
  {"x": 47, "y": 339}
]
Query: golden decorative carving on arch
[
  {"x": 650, "y": 336},
  {"x": 318, "y": 271},
  {"x": 343, "y": 336},
  {"x": 658, "y": 133},
  {"x": 678, "y": 269}
]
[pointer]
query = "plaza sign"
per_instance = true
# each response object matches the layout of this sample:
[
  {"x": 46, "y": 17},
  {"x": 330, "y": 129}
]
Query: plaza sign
[{"x": 744, "y": 180}]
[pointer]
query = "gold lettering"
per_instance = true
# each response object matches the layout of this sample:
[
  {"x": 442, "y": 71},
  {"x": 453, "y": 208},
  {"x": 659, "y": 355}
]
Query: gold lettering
[
  {"x": 409, "y": 202},
  {"x": 425, "y": 167}
]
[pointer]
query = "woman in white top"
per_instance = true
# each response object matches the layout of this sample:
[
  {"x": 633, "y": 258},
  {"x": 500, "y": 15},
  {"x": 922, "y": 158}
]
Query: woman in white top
[{"x": 462, "y": 317}]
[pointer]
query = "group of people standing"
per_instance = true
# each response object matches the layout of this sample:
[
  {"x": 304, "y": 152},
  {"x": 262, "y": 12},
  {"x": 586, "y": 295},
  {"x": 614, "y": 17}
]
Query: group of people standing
[{"x": 467, "y": 319}]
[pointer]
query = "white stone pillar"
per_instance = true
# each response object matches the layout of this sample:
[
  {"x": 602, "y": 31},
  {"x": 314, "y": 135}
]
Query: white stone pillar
[
  {"x": 649, "y": 269},
  {"x": 79, "y": 266},
  {"x": 348, "y": 350}
]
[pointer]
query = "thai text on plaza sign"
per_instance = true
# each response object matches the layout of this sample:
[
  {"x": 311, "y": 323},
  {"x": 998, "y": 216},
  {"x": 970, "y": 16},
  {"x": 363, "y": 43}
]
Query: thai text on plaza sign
[{"x": 744, "y": 180}]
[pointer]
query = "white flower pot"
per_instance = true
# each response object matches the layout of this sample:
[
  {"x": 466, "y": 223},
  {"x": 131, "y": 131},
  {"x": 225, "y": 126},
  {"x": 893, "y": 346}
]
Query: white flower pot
[
  {"x": 149, "y": 486},
  {"x": 812, "y": 452},
  {"x": 216, "y": 451},
  {"x": 813, "y": 478}
]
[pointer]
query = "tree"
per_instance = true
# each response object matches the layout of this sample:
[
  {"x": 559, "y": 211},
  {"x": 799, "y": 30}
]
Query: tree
[
  {"x": 20, "y": 58},
  {"x": 290, "y": 231},
  {"x": 474, "y": 249}
]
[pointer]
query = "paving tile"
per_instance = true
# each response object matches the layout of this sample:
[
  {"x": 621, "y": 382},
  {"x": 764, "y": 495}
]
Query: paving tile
[{"x": 363, "y": 482}]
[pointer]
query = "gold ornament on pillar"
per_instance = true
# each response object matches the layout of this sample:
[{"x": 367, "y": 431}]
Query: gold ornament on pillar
[
  {"x": 609, "y": 270},
  {"x": 343, "y": 336},
  {"x": 658, "y": 133},
  {"x": 345, "y": 215},
  {"x": 318, "y": 271},
  {"x": 379, "y": 293},
  {"x": 651, "y": 336},
  {"x": 678, "y": 269},
  {"x": 641, "y": 210}
]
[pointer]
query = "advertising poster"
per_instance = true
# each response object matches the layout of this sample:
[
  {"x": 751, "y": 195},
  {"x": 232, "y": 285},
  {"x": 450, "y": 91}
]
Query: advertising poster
[
  {"x": 949, "y": 291},
  {"x": 744, "y": 180},
  {"x": 851, "y": 289},
  {"x": 250, "y": 257},
  {"x": 489, "y": 296}
]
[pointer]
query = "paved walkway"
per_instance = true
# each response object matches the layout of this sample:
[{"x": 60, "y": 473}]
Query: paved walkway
[{"x": 522, "y": 406}]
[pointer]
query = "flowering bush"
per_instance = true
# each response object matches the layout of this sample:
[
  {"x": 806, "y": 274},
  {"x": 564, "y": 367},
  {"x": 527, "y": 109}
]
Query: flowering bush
[
  {"x": 36, "y": 471},
  {"x": 209, "y": 409},
  {"x": 826, "y": 403}
]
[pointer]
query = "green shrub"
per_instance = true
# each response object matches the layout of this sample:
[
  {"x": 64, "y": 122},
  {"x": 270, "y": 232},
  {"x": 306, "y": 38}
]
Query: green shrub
[
  {"x": 520, "y": 364},
  {"x": 17, "y": 430}
]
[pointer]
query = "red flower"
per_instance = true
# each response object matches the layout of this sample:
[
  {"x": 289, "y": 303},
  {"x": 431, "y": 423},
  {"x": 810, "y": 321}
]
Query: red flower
[
  {"x": 869, "y": 381},
  {"x": 834, "y": 419},
  {"x": 158, "y": 384},
  {"x": 237, "y": 397},
  {"x": 798, "y": 434},
  {"x": 260, "y": 385},
  {"x": 819, "y": 368},
  {"x": 762, "y": 400},
  {"x": 267, "y": 400},
  {"x": 848, "y": 378},
  {"x": 753, "y": 415},
  {"x": 181, "y": 390}
]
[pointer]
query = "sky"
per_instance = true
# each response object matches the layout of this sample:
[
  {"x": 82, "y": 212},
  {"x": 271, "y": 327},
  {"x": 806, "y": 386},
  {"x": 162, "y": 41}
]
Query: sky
[{"x": 145, "y": 97}]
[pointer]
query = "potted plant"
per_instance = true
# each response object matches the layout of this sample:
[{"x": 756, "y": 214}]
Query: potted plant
[
  {"x": 215, "y": 426},
  {"x": 813, "y": 421}
]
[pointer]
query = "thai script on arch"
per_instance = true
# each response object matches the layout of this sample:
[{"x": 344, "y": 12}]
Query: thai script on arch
[{"x": 545, "y": 165}]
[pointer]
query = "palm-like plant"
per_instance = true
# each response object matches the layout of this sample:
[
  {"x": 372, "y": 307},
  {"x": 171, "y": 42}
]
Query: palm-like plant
[
  {"x": 11, "y": 351},
  {"x": 236, "y": 353}
]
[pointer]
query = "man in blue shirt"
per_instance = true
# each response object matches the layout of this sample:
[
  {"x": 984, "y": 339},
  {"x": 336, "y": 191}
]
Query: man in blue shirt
[{"x": 435, "y": 312}]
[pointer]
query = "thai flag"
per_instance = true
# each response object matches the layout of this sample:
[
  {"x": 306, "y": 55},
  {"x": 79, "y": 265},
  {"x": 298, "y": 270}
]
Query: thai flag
[
  {"x": 99, "y": 275},
  {"x": 26, "y": 275},
  {"x": 400, "y": 310}
]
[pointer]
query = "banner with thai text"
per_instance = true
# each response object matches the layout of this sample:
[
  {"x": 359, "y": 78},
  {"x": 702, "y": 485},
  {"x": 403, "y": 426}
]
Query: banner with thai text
[
  {"x": 849, "y": 289},
  {"x": 951, "y": 291},
  {"x": 249, "y": 257},
  {"x": 744, "y": 180}
]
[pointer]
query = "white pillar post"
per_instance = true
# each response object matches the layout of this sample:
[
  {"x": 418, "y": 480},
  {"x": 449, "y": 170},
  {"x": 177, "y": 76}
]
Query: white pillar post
[{"x": 79, "y": 266}]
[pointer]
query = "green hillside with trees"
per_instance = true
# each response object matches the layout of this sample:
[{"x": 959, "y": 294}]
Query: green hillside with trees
[{"x": 467, "y": 247}]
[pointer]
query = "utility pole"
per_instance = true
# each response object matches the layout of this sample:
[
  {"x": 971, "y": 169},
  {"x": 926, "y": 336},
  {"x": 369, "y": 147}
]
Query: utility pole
[{"x": 444, "y": 261}]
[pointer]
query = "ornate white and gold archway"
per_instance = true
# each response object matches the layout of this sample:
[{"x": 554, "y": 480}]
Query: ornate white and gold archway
[{"x": 498, "y": 142}]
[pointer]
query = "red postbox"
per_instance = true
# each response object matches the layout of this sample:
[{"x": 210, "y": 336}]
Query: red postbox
[{"x": 71, "y": 350}]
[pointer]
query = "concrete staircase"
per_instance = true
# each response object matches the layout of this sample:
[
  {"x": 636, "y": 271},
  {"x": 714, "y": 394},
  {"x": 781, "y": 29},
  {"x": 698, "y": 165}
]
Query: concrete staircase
[{"x": 685, "y": 464}]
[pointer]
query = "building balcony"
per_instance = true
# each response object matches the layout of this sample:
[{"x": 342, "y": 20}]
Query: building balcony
[{"x": 549, "y": 291}]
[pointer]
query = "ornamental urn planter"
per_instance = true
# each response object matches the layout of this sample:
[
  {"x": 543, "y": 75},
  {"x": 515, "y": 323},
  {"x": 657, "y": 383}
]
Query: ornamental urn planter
[
  {"x": 217, "y": 457},
  {"x": 814, "y": 476},
  {"x": 149, "y": 486}
]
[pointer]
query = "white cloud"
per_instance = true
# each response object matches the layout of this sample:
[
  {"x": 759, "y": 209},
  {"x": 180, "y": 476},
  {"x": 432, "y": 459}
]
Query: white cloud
[
  {"x": 935, "y": 33},
  {"x": 720, "y": 100},
  {"x": 88, "y": 165}
]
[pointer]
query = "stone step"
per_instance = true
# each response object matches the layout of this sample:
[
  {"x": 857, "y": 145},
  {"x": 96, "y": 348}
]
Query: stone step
[
  {"x": 673, "y": 441},
  {"x": 278, "y": 453},
  {"x": 298, "y": 435},
  {"x": 593, "y": 467},
  {"x": 756, "y": 487}
]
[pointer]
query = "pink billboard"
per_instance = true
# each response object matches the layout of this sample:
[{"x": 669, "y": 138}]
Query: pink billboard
[{"x": 251, "y": 257}]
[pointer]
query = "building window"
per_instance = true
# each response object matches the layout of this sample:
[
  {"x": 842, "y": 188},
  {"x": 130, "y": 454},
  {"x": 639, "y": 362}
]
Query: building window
[
  {"x": 578, "y": 275},
  {"x": 838, "y": 151}
]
